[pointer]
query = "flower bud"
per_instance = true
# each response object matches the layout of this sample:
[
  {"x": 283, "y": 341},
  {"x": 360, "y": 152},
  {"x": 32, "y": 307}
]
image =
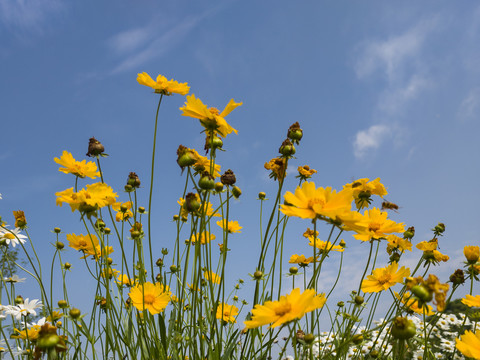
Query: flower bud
[
  {"x": 343, "y": 244},
  {"x": 59, "y": 245},
  {"x": 99, "y": 224},
  {"x": 394, "y": 257},
  {"x": 75, "y": 313},
  {"x": 176, "y": 217},
  {"x": 141, "y": 209},
  {"x": 410, "y": 233},
  {"x": 236, "y": 192},
  {"x": 186, "y": 157},
  {"x": 191, "y": 203},
  {"x": 19, "y": 300},
  {"x": 133, "y": 180},
  {"x": 109, "y": 261},
  {"x": 107, "y": 230},
  {"x": 287, "y": 148},
  {"x": 257, "y": 275},
  {"x": 472, "y": 253},
  {"x": 262, "y": 195},
  {"x": 235, "y": 298},
  {"x": 158, "y": 277},
  {"x": 173, "y": 269},
  {"x": 309, "y": 338},
  {"x": 218, "y": 187},
  {"x": 403, "y": 328},
  {"x": 340, "y": 304},
  {"x": 458, "y": 277},
  {"x": 207, "y": 181},
  {"x": 439, "y": 229},
  {"x": 357, "y": 339},
  {"x": 47, "y": 340},
  {"x": 293, "y": 270},
  {"x": 20, "y": 221},
  {"x": 359, "y": 300},
  {"x": 128, "y": 188},
  {"x": 228, "y": 178},
  {"x": 215, "y": 142},
  {"x": 57, "y": 230},
  {"x": 95, "y": 147},
  {"x": 422, "y": 293},
  {"x": 294, "y": 133},
  {"x": 67, "y": 265},
  {"x": 159, "y": 262},
  {"x": 164, "y": 251}
]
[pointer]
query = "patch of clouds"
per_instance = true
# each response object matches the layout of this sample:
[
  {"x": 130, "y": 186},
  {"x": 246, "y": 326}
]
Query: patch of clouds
[
  {"x": 370, "y": 139},
  {"x": 130, "y": 40},
  {"x": 470, "y": 106},
  {"x": 398, "y": 60},
  {"x": 28, "y": 15}
]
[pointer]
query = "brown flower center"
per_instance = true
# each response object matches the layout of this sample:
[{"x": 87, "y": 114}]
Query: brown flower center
[
  {"x": 149, "y": 299},
  {"x": 283, "y": 309}
]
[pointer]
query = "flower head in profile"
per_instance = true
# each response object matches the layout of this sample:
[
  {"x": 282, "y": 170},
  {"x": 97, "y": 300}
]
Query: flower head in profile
[
  {"x": 430, "y": 252},
  {"x": 227, "y": 313},
  {"x": 300, "y": 260},
  {"x": 324, "y": 246},
  {"x": 469, "y": 344},
  {"x": 290, "y": 307},
  {"x": 204, "y": 238},
  {"x": 384, "y": 278},
  {"x": 85, "y": 243},
  {"x": 304, "y": 172},
  {"x": 472, "y": 253},
  {"x": 20, "y": 221},
  {"x": 78, "y": 168},
  {"x": 27, "y": 308},
  {"x": 212, "y": 277},
  {"x": 376, "y": 225},
  {"x": 363, "y": 189},
  {"x": 14, "y": 279},
  {"x": 277, "y": 166},
  {"x": 123, "y": 211},
  {"x": 162, "y": 85},
  {"x": 310, "y": 202},
  {"x": 202, "y": 164},
  {"x": 396, "y": 243},
  {"x": 87, "y": 200},
  {"x": 210, "y": 118},
  {"x": 472, "y": 301},
  {"x": 151, "y": 297},
  {"x": 230, "y": 227},
  {"x": 124, "y": 280},
  {"x": 411, "y": 303},
  {"x": 12, "y": 236}
]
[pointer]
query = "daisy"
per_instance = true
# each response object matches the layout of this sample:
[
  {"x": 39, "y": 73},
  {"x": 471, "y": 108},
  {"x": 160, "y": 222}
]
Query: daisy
[
  {"x": 28, "y": 307},
  {"x": 14, "y": 279},
  {"x": 12, "y": 236}
]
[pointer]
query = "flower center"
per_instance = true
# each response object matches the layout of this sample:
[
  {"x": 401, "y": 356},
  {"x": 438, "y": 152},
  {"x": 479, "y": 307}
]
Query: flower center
[
  {"x": 149, "y": 299},
  {"x": 214, "y": 111},
  {"x": 374, "y": 227},
  {"x": 384, "y": 279},
  {"x": 9, "y": 236},
  {"x": 283, "y": 309},
  {"x": 316, "y": 201}
]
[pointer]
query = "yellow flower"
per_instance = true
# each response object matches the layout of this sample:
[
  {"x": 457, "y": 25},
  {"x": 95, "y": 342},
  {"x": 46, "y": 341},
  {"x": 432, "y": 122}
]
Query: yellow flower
[
  {"x": 430, "y": 252},
  {"x": 87, "y": 200},
  {"x": 324, "y": 245},
  {"x": 232, "y": 226},
  {"x": 30, "y": 334},
  {"x": 309, "y": 202},
  {"x": 55, "y": 316},
  {"x": 290, "y": 307},
  {"x": 363, "y": 190},
  {"x": 86, "y": 243},
  {"x": 203, "y": 164},
  {"x": 109, "y": 273},
  {"x": 469, "y": 344},
  {"x": 102, "y": 252},
  {"x": 411, "y": 303},
  {"x": 376, "y": 225},
  {"x": 395, "y": 242},
  {"x": 205, "y": 238},
  {"x": 472, "y": 301},
  {"x": 227, "y": 313},
  {"x": 300, "y": 260},
  {"x": 123, "y": 215},
  {"x": 384, "y": 278},
  {"x": 123, "y": 279},
  {"x": 210, "y": 118},
  {"x": 162, "y": 85},
  {"x": 20, "y": 221},
  {"x": 151, "y": 297},
  {"x": 212, "y": 277},
  {"x": 472, "y": 253},
  {"x": 305, "y": 171},
  {"x": 78, "y": 168},
  {"x": 278, "y": 168}
]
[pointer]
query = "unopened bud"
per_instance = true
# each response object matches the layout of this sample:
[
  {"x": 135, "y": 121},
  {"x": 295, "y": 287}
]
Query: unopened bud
[
  {"x": 258, "y": 275},
  {"x": 207, "y": 181},
  {"x": 228, "y": 178},
  {"x": 236, "y": 192},
  {"x": 218, "y": 187},
  {"x": 59, "y": 245},
  {"x": 133, "y": 180},
  {"x": 262, "y": 195},
  {"x": 57, "y": 230},
  {"x": 293, "y": 270},
  {"x": 295, "y": 133},
  {"x": 359, "y": 300},
  {"x": 287, "y": 148},
  {"x": 95, "y": 147},
  {"x": 75, "y": 313}
]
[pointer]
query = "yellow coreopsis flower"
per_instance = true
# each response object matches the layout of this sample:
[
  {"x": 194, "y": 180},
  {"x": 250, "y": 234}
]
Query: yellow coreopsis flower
[
  {"x": 363, "y": 190},
  {"x": 384, "y": 278},
  {"x": 78, "y": 168},
  {"x": 123, "y": 215},
  {"x": 472, "y": 253},
  {"x": 28, "y": 334},
  {"x": 86, "y": 243},
  {"x": 210, "y": 118},
  {"x": 411, "y": 303},
  {"x": 20, "y": 221},
  {"x": 205, "y": 238},
  {"x": 227, "y": 313},
  {"x": 123, "y": 279},
  {"x": 308, "y": 202},
  {"x": 376, "y": 225},
  {"x": 290, "y": 307},
  {"x": 203, "y": 164},
  {"x": 305, "y": 172},
  {"x": 326, "y": 246},
  {"x": 151, "y": 297},
  {"x": 231, "y": 227},
  {"x": 300, "y": 260},
  {"x": 87, "y": 200},
  {"x": 162, "y": 85},
  {"x": 395, "y": 242},
  {"x": 212, "y": 277},
  {"x": 469, "y": 344},
  {"x": 278, "y": 169},
  {"x": 472, "y": 301}
]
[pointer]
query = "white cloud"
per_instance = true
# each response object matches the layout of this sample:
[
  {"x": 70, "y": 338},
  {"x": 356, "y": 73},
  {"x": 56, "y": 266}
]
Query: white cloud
[
  {"x": 28, "y": 15},
  {"x": 394, "y": 98},
  {"x": 470, "y": 106},
  {"x": 370, "y": 139},
  {"x": 130, "y": 40}
]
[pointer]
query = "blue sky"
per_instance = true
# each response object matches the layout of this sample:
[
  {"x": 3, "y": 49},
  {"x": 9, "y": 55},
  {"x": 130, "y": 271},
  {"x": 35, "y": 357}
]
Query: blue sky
[{"x": 381, "y": 89}]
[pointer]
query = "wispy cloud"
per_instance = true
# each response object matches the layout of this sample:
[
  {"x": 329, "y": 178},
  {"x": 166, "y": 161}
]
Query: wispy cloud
[
  {"x": 370, "y": 139},
  {"x": 398, "y": 61},
  {"x": 470, "y": 106},
  {"x": 134, "y": 42},
  {"x": 28, "y": 15}
]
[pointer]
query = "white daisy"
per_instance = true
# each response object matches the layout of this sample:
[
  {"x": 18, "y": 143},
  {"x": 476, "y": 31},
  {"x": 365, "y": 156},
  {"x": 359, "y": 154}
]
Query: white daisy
[
  {"x": 14, "y": 279},
  {"x": 12, "y": 236},
  {"x": 28, "y": 307}
]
